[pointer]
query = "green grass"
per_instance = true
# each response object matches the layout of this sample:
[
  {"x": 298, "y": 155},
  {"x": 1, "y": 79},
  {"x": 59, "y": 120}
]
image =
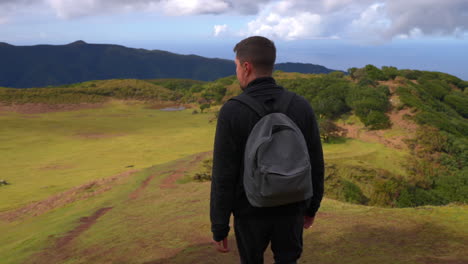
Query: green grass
[
  {"x": 171, "y": 225},
  {"x": 365, "y": 154},
  {"x": 53, "y": 152}
]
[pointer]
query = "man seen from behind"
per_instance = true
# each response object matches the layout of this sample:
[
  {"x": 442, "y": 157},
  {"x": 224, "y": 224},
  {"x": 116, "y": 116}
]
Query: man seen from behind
[{"x": 257, "y": 227}]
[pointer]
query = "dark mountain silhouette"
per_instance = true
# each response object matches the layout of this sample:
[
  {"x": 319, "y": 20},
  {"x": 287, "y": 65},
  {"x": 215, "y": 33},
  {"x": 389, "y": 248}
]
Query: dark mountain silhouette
[
  {"x": 302, "y": 68},
  {"x": 44, "y": 65}
]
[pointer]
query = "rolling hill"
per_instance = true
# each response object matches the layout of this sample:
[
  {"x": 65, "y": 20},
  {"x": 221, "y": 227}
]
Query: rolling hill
[
  {"x": 98, "y": 173},
  {"x": 45, "y": 65}
]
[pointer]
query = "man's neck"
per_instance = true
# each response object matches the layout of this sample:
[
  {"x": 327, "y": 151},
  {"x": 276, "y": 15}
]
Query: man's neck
[
  {"x": 258, "y": 80},
  {"x": 254, "y": 77}
]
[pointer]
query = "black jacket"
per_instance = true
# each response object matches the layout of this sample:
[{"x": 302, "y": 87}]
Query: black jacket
[{"x": 235, "y": 121}]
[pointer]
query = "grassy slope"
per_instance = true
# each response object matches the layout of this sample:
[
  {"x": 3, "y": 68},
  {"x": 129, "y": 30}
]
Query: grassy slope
[
  {"x": 53, "y": 152},
  {"x": 170, "y": 225}
]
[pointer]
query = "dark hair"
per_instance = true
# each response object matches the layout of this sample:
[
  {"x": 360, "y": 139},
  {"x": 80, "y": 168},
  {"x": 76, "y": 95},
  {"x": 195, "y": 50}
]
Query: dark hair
[{"x": 259, "y": 51}]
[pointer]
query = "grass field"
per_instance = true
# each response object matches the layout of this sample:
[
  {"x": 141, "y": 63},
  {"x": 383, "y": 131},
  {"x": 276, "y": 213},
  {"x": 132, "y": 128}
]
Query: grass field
[
  {"x": 109, "y": 179},
  {"x": 47, "y": 153}
]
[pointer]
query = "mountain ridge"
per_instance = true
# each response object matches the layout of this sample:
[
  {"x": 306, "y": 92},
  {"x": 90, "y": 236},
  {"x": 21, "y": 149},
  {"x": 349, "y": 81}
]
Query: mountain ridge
[{"x": 51, "y": 65}]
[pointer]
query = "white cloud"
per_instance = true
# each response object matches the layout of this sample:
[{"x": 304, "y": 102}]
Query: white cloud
[
  {"x": 192, "y": 7},
  {"x": 302, "y": 25},
  {"x": 369, "y": 25},
  {"x": 431, "y": 17},
  {"x": 72, "y": 8},
  {"x": 220, "y": 29},
  {"x": 362, "y": 20}
]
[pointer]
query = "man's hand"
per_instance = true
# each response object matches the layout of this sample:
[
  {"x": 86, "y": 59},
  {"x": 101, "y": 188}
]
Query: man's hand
[
  {"x": 308, "y": 221},
  {"x": 222, "y": 246}
]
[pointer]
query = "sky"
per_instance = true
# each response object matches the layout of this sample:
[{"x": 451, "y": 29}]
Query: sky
[{"x": 338, "y": 34}]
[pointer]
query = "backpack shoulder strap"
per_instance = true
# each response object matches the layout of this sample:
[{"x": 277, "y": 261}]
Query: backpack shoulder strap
[
  {"x": 252, "y": 103},
  {"x": 283, "y": 105}
]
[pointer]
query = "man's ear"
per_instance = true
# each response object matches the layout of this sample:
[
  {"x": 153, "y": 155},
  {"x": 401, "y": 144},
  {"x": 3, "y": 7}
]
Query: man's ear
[{"x": 247, "y": 67}]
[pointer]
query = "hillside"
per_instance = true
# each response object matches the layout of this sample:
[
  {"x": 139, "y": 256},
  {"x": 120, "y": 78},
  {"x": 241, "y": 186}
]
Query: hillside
[
  {"x": 113, "y": 184},
  {"x": 418, "y": 117},
  {"x": 45, "y": 65},
  {"x": 98, "y": 173}
]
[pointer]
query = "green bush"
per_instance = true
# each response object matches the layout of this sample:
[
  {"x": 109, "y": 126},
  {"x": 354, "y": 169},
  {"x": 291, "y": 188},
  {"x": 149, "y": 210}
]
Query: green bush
[
  {"x": 390, "y": 72},
  {"x": 415, "y": 196},
  {"x": 452, "y": 187},
  {"x": 410, "y": 74},
  {"x": 205, "y": 171},
  {"x": 214, "y": 93},
  {"x": 432, "y": 111},
  {"x": 377, "y": 120},
  {"x": 329, "y": 130},
  {"x": 458, "y": 101},
  {"x": 375, "y": 73},
  {"x": 352, "y": 193},
  {"x": 386, "y": 191}
]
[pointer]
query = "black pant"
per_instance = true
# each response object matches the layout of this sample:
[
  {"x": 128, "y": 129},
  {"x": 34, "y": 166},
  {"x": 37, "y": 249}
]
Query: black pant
[{"x": 254, "y": 233}]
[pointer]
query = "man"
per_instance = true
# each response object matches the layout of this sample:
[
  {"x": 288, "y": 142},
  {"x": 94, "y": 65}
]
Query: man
[{"x": 256, "y": 227}]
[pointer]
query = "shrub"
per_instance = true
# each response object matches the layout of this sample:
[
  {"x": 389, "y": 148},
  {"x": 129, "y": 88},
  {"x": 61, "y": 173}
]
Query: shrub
[
  {"x": 329, "y": 130},
  {"x": 414, "y": 196},
  {"x": 390, "y": 72},
  {"x": 386, "y": 191},
  {"x": 377, "y": 120},
  {"x": 352, "y": 193},
  {"x": 459, "y": 102},
  {"x": 375, "y": 73},
  {"x": 204, "y": 106},
  {"x": 205, "y": 173},
  {"x": 410, "y": 74}
]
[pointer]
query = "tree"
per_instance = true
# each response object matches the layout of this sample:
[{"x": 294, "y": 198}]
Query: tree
[
  {"x": 377, "y": 120},
  {"x": 390, "y": 72},
  {"x": 204, "y": 106},
  {"x": 329, "y": 130},
  {"x": 374, "y": 73}
]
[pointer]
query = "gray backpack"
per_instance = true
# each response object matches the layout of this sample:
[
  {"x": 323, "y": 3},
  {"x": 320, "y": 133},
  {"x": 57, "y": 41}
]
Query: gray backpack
[{"x": 277, "y": 168}]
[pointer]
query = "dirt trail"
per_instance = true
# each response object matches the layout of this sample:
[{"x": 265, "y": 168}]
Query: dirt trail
[
  {"x": 63, "y": 248},
  {"x": 169, "y": 182},
  {"x": 86, "y": 223},
  {"x": 58, "y": 252},
  {"x": 405, "y": 127},
  {"x": 177, "y": 173},
  {"x": 81, "y": 192}
]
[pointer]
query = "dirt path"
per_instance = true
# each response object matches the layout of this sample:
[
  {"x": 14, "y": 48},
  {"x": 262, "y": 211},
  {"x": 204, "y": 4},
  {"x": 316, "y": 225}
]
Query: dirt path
[
  {"x": 177, "y": 173},
  {"x": 86, "y": 223},
  {"x": 59, "y": 252},
  {"x": 63, "y": 247},
  {"x": 78, "y": 193},
  {"x": 404, "y": 127},
  {"x": 169, "y": 182}
]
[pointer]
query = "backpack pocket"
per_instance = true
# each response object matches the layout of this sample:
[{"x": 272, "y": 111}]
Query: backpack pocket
[{"x": 291, "y": 187}]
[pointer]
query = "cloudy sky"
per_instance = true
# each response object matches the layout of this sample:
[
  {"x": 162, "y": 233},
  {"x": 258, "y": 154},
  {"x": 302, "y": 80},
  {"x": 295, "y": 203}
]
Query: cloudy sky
[{"x": 416, "y": 34}]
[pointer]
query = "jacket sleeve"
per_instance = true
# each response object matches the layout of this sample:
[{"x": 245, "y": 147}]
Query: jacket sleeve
[
  {"x": 226, "y": 167},
  {"x": 317, "y": 162},
  {"x": 314, "y": 145}
]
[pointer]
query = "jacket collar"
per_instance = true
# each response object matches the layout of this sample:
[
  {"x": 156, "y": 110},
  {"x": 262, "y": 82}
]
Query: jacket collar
[{"x": 260, "y": 83}]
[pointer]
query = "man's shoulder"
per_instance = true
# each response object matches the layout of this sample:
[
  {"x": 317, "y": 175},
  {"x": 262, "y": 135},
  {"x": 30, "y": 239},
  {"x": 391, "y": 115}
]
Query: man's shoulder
[
  {"x": 231, "y": 108},
  {"x": 299, "y": 102}
]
